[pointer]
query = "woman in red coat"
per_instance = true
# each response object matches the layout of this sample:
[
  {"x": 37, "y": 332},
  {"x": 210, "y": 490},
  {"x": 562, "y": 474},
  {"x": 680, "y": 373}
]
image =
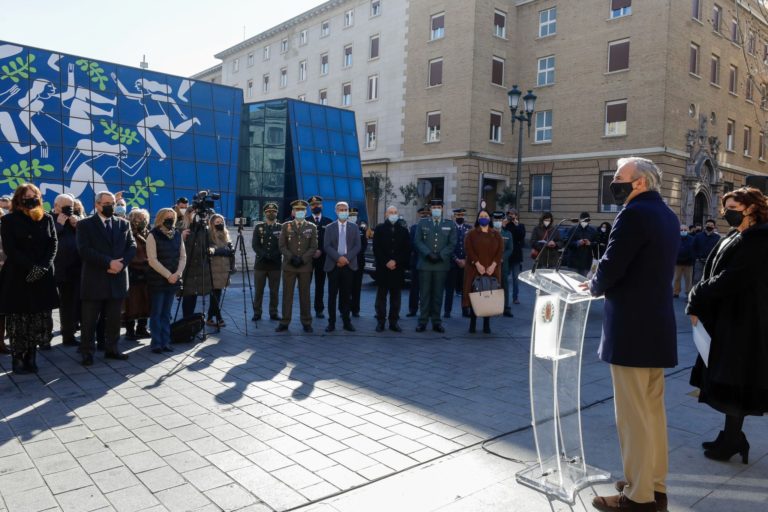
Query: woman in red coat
[{"x": 485, "y": 248}]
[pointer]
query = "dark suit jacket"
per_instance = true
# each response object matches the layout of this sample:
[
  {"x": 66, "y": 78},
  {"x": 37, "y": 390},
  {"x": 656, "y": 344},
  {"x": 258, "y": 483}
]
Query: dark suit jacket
[
  {"x": 331, "y": 245},
  {"x": 635, "y": 274},
  {"x": 97, "y": 249},
  {"x": 321, "y": 226}
]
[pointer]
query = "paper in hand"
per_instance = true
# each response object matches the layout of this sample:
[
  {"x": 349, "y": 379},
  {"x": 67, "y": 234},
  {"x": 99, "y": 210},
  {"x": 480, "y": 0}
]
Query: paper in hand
[{"x": 702, "y": 340}]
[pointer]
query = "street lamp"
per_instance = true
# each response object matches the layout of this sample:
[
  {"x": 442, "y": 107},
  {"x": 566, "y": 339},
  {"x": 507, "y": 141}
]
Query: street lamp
[{"x": 525, "y": 115}]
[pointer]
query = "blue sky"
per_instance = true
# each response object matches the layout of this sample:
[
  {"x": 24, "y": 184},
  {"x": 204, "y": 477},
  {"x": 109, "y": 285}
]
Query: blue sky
[{"x": 177, "y": 36}]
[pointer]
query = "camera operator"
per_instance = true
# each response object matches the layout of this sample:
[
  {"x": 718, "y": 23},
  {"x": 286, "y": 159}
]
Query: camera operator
[
  {"x": 67, "y": 266},
  {"x": 199, "y": 246}
]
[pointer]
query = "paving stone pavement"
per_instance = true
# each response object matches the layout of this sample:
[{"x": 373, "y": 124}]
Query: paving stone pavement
[{"x": 347, "y": 421}]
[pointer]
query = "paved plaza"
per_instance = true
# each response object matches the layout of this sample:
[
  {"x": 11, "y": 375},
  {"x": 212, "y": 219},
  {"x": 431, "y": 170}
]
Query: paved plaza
[{"x": 346, "y": 422}]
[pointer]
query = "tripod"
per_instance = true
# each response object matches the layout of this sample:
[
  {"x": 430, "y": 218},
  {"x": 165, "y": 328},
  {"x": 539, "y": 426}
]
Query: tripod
[
  {"x": 244, "y": 270},
  {"x": 200, "y": 241}
]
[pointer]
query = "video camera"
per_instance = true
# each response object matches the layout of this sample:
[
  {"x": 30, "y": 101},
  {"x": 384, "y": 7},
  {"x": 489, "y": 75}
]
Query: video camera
[{"x": 202, "y": 202}]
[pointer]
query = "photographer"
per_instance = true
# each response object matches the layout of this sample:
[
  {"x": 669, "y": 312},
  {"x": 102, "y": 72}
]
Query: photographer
[
  {"x": 67, "y": 266},
  {"x": 222, "y": 264},
  {"x": 200, "y": 247},
  {"x": 265, "y": 242}
]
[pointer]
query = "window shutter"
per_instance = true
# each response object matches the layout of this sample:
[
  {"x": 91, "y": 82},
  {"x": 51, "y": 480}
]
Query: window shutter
[
  {"x": 620, "y": 4},
  {"x": 497, "y": 72},
  {"x": 616, "y": 113},
  {"x": 438, "y": 22},
  {"x": 618, "y": 57},
  {"x": 498, "y": 19}
]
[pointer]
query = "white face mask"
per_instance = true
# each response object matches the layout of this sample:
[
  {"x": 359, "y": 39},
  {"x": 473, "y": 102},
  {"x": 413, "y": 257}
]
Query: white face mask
[
  {"x": 353, "y": 220},
  {"x": 547, "y": 223},
  {"x": 584, "y": 224},
  {"x": 603, "y": 229},
  {"x": 393, "y": 218},
  {"x": 497, "y": 224},
  {"x": 182, "y": 211}
]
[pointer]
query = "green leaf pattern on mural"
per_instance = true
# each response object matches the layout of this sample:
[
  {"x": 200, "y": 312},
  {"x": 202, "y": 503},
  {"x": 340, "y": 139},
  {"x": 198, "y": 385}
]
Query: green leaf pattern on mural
[
  {"x": 94, "y": 71},
  {"x": 124, "y": 135},
  {"x": 19, "y": 173},
  {"x": 18, "y": 68},
  {"x": 138, "y": 193}
]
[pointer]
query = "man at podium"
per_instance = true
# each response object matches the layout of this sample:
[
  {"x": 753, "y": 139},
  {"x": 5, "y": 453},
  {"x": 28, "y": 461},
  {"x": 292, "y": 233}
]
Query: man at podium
[{"x": 639, "y": 334}]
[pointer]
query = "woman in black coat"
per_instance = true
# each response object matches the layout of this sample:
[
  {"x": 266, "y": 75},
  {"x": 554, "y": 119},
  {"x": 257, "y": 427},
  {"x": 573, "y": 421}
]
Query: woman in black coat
[
  {"x": 27, "y": 285},
  {"x": 731, "y": 301}
]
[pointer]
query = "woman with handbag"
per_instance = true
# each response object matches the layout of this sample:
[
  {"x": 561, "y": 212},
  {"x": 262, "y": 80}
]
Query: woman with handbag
[
  {"x": 137, "y": 304},
  {"x": 222, "y": 261},
  {"x": 484, "y": 248},
  {"x": 545, "y": 242},
  {"x": 167, "y": 257}
]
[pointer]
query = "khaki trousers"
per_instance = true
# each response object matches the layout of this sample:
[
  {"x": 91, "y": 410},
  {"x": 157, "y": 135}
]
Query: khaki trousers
[
  {"x": 260, "y": 280},
  {"x": 682, "y": 273},
  {"x": 289, "y": 285},
  {"x": 641, "y": 420}
]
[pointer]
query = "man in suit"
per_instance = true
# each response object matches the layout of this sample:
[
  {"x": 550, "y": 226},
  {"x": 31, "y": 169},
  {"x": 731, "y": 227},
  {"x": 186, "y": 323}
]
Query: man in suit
[
  {"x": 106, "y": 247},
  {"x": 413, "y": 293},
  {"x": 266, "y": 240},
  {"x": 298, "y": 243},
  {"x": 392, "y": 250},
  {"x": 341, "y": 247},
  {"x": 357, "y": 286},
  {"x": 635, "y": 275},
  {"x": 454, "y": 283},
  {"x": 321, "y": 222},
  {"x": 435, "y": 240}
]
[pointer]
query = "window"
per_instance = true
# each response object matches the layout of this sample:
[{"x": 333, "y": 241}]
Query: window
[
  {"x": 249, "y": 90},
  {"x": 301, "y": 97},
  {"x": 500, "y": 24},
  {"x": 322, "y": 96},
  {"x": 370, "y": 135},
  {"x": 548, "y": 22},
  {"x": 618, "y": 55},
  {"x": 324, "y": 64},
  {"x": 717, "y": 18},
  {"x": 696, "y": 9},
  {"x": 303, "y": 37},
  {"x": 733, "y": 77},
  {"x": 546, "y": 73},
  {"x": 373, "y": 47},
  {"x": 747, "y": 141},
  {"x": 283, "y": 77},
  {"x": 735, "y": 31},
  {"x": 302, "y": 70},
  {"x": 761, "y": 146},
  {"x": 751, "y": 43},
  {"x": 236, "y": 65},
  {"x": 347, "y": 55},
  {"x": 250, "y": 59},
  {"x": 265, "y": 83},
  {"x": 325, "y": 28},
  {"x": 346, "y": 94},
  {"x": 497, "y": 71},
  {"x": 693, "y": 64},
  {"x": 730, "y": 134},
  {"x": 265, "y": 53},
  {"x": 283, "y": 46},
  {"x": 349, "y": 18},
  {"x": 749, "y": 90},
  {"x": 541, "y": 192},
  {"x": 543, "y": 126},
  {"x": 435, "y": 72},
  {"x": 375, "y": 8},
  {"x": 495, "y": 135},
  {"x": 373, "y": 87},
  {"x": 620, "y": 8},
  {"x": 615, "y": 118},
  {"x": 727, "y": 187},
  {"x": 433, "y": 126},
  {"x": 607, "y": 202},
  {"x": 714, "y": 70},
  {"x": 437, "y": 24}
]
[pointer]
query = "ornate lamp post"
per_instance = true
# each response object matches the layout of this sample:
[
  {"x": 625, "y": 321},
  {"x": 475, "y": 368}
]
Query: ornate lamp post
[{"x": 525, "y": 115}]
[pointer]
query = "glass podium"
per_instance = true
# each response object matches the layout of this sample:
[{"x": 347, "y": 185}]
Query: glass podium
[{"x": 557, "y": 338}]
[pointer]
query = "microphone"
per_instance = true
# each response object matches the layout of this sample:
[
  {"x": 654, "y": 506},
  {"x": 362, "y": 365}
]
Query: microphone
[{"x": 549, "y": 239}]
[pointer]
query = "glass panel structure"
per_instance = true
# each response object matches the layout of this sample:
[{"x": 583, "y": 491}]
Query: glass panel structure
[
  {"x": 74, "y": 125},
  {"x": 293, "y": 149}
]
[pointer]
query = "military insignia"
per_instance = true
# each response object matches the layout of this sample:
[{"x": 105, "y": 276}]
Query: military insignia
[{"x": 548, "y": 312}]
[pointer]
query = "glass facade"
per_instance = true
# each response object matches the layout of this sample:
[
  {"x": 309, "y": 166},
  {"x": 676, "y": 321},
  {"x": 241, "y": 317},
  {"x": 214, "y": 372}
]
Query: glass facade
[
  {"x": 293, "y": 150},
  {"x": 75, "y": 125}
]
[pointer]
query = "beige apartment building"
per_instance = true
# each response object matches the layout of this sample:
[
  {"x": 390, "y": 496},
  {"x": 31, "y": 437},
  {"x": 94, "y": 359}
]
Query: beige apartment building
[{"x": 677, "y": 81}]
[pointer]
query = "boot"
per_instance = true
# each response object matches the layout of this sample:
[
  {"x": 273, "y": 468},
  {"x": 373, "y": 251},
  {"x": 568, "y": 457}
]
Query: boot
[
  {"x": 141, "y": 329},
  {"x": 30, "y": 363},
  {"x": 487, "y": 325},
  {"x": 729, "y": 448},
  {"x": 18, "y": 363},
  {"x": 130, "y": 330},
  {"x": 472, "y": 324},
  {"x": 708, "y": 445}
]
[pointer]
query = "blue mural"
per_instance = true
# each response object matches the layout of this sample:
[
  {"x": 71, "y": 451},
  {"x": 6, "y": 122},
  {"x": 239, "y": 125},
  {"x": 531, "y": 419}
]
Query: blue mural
[{"x": 75, "y": 125}]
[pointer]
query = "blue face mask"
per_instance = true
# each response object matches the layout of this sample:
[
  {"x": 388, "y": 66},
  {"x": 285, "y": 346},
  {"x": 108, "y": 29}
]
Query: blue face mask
[
  {"x": 497, "y": 224},
  {"x": 683, "y": 233},
  {"x": 393, "y": 218},
  {"x": 342, "y": 215},
  {"x": 437, "y": 213},
  {"x": 484, "y": 221},
  {"x": 300, "y": 214}
]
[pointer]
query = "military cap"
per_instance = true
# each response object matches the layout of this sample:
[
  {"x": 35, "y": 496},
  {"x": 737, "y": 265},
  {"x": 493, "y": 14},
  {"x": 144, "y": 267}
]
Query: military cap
[
  {"x": 353, "y": 210},
  {"x": 498, "y": 214},
  {"x": 315, "y": 200},
  {"x": 459, "y": 210},
  {"x": 271, "y": 206},
  {"x": 436, "y": 202},
  {"x": 299, "y": 204}
]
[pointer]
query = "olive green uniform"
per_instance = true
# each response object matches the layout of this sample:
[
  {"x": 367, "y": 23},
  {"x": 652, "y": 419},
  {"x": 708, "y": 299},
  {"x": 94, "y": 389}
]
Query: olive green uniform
[
  {"x": 437, "y": 238},
  {"x": 266, "y": 245},
  {"x": 297, "y": 239}
]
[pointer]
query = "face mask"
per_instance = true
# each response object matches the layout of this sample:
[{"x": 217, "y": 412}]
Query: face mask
[
  {"x": 484, "y": 221},
  {"x": 343, "y": 215},
  {"x": 683, "y": 233},
  {"x": 317, "y": 210},
  {"x": 584, "y": 224},
  {"x": 108, "y": 210},
  {"x": 30, "y": 202},
  {"x": 168, "y": 223},
  {"x": 120, "y": 210},
  {"x": 67, "y": 210},
  {"x": 271, "y": 216},
  {"x": 182, "y": 211},
  {"x": 393, "y": 218},
  {"x": 437, "y": 213},
  {"x": 621, "y": 191},
  {"x": 353, "y": 220},
  {"x": 710, "y": 228},
  {"x": 300, "y": 214},
  {"x": 219, "y": 227},
  {"x": 604, "y": 230},
  {"x": 547, "y": 223},
  {"x": 497, "y": 224},
  {"x": 141, "y": 225},
  {"x": 460, "y": 220},
  {"x": 733, "y": 218}
]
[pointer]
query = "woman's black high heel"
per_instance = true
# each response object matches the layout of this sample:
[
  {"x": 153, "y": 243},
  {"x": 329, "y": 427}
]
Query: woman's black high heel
[
  {"x": 708, "y": 445},
  {"x": 728, "y": 449}
]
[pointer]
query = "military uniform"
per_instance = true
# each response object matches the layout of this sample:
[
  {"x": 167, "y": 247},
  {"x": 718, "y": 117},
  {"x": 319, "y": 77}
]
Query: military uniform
[
  {"x": 321, "y": 222},
  {"x": 357, "y": 284},
  {"x": 435, "y": 241},
  {"x": 298, "y": 243},
  {"x": 454, "y": 282},
  {"x": 506, "y": 236},
  {"x": 266, "y": 245}
]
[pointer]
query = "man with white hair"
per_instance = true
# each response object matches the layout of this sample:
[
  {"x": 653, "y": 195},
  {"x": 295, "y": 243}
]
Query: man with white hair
[
  {"x": 66, "y": 266},
  {"x": 106, "y": 247},
  {"x": 341, "y": 246}
]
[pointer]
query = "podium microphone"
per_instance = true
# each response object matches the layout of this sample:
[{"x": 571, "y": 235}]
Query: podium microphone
[
  {"x": 549, "y": 239},
  {"x": 568, "y": 242}
]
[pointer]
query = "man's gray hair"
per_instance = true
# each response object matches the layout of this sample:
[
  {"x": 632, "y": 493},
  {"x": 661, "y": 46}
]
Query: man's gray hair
[
  {"x": 103, "y": 193},
  {"x": 61, "y": 197},
  {"x": 342, "y": 203},
  {"x": 391, "y": 206},
  {"x": 644, "y": 168}
]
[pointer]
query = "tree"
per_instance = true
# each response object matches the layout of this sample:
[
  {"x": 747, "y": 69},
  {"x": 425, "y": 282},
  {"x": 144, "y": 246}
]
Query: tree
[
  {"x": 748, "y": 32},
  {"x": 410, "y": 194},
  {"x": 506, "y": 198},
  {"x": 377, "y": 187}
]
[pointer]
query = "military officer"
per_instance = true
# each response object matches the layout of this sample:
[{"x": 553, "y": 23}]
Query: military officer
[
  {"x": 435, "y": 240},
  {"x": 454, "y": 283},
  {"x": 266, "y": 240},
  {"x": 357, "y": 285},
  {"x": 413, "y": 293},
  {"x": 298, "y": 244},
  {"x": 320, "y": 221},
  {"x": 499, "y": 221}
]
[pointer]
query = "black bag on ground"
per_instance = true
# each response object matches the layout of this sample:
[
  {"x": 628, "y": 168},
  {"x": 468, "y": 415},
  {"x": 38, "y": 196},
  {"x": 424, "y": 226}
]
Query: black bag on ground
[{"x": 186, "y": 329}]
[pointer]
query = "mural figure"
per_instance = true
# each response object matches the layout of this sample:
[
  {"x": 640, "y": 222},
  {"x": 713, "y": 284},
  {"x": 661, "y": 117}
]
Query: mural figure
[
  {"x": 32, "y": 105},
  {"x": 7, "y": 128},
  {"x": 83, "y": 105}
]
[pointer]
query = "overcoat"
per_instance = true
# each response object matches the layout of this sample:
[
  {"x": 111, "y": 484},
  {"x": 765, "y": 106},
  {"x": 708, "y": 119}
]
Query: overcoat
[
  {"x": 391, "y": 242},
  {"x": 97, "y": 248}
]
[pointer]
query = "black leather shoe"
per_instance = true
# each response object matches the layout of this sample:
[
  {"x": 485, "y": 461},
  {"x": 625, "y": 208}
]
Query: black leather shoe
[
  {"x": 276, "y": 318},
  {"x": 157, "y": 351},
  {"x": 71, "y": 343},
  {"x": 421, "y": 327},
  {"x": 349, "y": 327},
  {"x": 308, "y": 328},
  {"x": 395, "y": 327},
  {"x": 167, "y": 349},
  {"x": 87, "y": 360},
  {"x": 330, "y": 328},
  {"x": 281, "y": 328},
  {"x": 438, "y": 328},
  {"x": 119, "y": 356},
  {"x": 18, "y": 366},
  {"x": 659, "y": 497},
  {"x": 319, "y": 314},
  {"x": 411, "y": 314},
  {"x": 379, "y": 327}
]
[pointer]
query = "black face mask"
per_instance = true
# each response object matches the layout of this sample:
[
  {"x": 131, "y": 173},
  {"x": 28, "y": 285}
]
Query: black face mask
[
  {"x": 67, "y": 210},
  {"x": 317, "y": 210},
  {"x": 271, "y": 216},
  {"x": 141, "y": 226},
  {"x": 460, "y": 220},
  {"x": 219, "y": 227},
  {"x": 30, "y": 202},
  {"x": 621, "y": 191},
  {"x": 168, "y": 223},
  {"x": 108, "y": 210},
  {"x": 733, "y": 218}
]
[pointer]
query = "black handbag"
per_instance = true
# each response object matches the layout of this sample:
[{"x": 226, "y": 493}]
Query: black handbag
[{"x": 186, "y": 329}]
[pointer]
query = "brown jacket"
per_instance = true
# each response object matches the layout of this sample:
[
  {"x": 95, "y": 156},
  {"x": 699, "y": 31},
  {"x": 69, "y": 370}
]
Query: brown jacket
[{"x": 485, "y": 248}]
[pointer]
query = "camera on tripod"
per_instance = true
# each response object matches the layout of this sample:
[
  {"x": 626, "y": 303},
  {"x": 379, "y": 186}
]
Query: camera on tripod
[{"x": 203, "y": 202}]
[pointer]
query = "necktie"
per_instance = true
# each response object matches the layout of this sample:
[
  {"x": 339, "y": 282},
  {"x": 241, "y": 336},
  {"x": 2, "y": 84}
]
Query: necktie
[
  {"x": 108, "y": 225},
  {"x": 342, "y": 239}
]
